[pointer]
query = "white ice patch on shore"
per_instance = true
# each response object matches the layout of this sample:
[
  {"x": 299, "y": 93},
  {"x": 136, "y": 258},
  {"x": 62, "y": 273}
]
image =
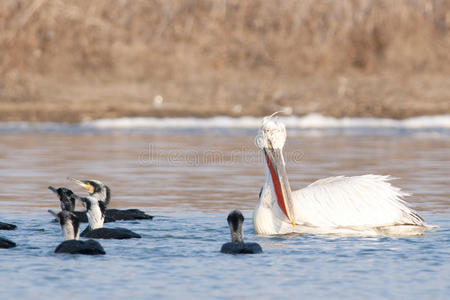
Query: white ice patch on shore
[{"x": 311, "y": 121}]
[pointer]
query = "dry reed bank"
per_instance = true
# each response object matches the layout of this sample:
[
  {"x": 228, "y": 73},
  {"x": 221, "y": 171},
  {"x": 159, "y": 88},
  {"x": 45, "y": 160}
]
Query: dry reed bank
[{"x": 74, "y": 60}]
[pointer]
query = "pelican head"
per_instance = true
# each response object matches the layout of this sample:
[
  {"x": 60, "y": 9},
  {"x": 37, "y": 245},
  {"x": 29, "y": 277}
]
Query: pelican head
[
  {"x": 271, "y": 134},
  {"x": 270, "y": 140}
]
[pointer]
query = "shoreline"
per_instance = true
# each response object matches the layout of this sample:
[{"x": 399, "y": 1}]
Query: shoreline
[
  {"x": 50, "y": 99},
  {"x": 313, "y": 121}
]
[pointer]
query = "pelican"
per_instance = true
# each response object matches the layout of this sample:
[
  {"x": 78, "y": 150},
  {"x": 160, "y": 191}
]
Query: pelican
[{"x": 358, "y": 205}]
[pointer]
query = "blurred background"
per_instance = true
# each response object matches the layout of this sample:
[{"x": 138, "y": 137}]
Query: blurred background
[{"x": 69, "y": 61}]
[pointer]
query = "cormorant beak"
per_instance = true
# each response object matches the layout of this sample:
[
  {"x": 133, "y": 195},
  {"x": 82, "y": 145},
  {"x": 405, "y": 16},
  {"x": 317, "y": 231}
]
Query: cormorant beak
[
  {"x": 54, "y": 214},
  {"x": 277, "y": 168},
  {"x": 53, "y": 189},
  {"x": 86, "y": 186}
]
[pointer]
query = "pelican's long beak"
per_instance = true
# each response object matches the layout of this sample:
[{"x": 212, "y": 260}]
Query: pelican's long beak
[
  {"x": 88, "y": 187},
  {"x": 277, "y": 168}
]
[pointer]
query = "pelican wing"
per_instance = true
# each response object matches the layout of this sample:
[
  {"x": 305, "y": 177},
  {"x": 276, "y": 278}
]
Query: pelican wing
[{"x": 368, "y": 200}]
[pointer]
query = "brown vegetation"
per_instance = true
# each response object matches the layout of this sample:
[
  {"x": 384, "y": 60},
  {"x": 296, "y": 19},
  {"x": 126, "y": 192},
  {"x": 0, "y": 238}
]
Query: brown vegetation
[{"x": 73, "y": 60}]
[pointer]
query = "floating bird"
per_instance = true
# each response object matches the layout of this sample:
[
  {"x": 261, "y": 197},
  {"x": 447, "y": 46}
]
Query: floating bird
[
  {"x": 67, "y": 200},
  {"x": 102, "y": 192},
  {"x": 362, "y": 205},
  {"x": 96, "y": 215},
  {"x": 5, "y": 243},
  {"x": 6, "y": 226},
  {"x": 70, "y": 226},
  {"x": 237, "y": 246}
]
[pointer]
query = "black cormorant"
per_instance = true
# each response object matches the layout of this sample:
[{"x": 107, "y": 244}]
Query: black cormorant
[
  {"x": 6, "y": 226},
  {"x": 96, "y": 214},
  {"x": 67, "y": 202},
  {"x": 102, "y": 192},
  {"x": 70, "y": 226},
  {"x": 237, "y": 246},
  {"x": 5, "y": 243}
]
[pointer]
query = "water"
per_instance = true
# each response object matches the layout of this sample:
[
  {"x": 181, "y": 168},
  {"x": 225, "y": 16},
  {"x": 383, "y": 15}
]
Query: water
[{"x": 190, "y": 180}]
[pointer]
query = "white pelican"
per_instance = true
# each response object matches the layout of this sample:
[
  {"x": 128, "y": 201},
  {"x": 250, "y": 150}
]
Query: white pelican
[{"x": 361, "y": 205}]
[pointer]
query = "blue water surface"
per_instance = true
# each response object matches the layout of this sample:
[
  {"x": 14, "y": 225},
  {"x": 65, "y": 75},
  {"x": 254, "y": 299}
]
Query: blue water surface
[
  {"x": 178, "y": 257},
  {"x": 190, "y": 191}
]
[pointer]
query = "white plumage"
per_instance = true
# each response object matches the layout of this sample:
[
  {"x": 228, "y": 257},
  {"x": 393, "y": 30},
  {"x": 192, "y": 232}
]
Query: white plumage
[
  {"x": 367, "y": 200},
  {"x": 367, "y": 204},
  {"x": 95, "y": 216}
]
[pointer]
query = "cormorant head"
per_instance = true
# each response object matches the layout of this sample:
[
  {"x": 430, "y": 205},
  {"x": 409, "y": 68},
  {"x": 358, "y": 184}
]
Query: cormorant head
[
  {"x": 69, "y": 224},
  {"x": 235, "y": 220},
  {"x": 95, "y": 188},
  {"x": 66, "y": 197}
]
